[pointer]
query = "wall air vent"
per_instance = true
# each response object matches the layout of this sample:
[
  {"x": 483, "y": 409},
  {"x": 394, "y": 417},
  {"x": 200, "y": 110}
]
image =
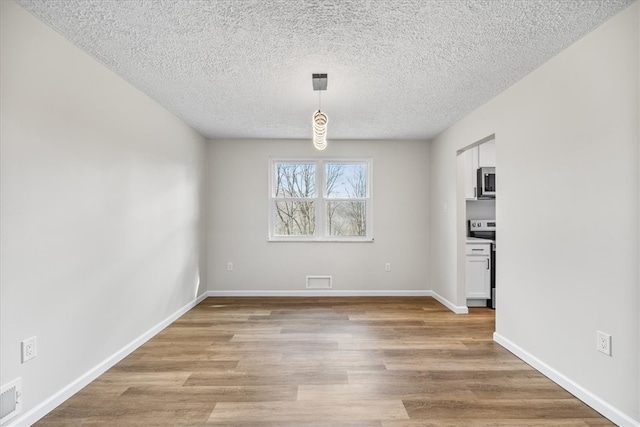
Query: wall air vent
[
  {"x": 10, "y": 400},
  {"x": 318, "y": 282}
]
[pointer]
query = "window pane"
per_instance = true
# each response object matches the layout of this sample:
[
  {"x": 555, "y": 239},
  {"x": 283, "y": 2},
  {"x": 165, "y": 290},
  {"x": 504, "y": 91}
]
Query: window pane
[
  {"x": 346, "y": 218},
  {"x": 295, "y": 218},
  {"x": 295, "y": 180},
  {"x": 346, "y": 180}
]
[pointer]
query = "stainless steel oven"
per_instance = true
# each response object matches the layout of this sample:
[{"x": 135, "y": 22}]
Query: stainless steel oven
[
  {"x": 486, "y": 183},
  {"x": 486, "y": 229}
]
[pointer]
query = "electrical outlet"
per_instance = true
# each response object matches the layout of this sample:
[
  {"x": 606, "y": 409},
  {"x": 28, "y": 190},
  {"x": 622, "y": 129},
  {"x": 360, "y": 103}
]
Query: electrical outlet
[
  {"x": 29, "y": 349},
  {"x": 229, "y": 266},
  {"x": 387, "y": 267},
  {"x": 603, "y": 343}
]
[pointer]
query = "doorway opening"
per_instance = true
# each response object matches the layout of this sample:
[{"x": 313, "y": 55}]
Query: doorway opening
[{"x": 476, "y": 224}]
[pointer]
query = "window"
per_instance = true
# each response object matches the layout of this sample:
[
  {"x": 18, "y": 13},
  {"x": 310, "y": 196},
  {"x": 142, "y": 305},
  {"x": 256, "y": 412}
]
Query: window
[{"x": 320, "y": 199}]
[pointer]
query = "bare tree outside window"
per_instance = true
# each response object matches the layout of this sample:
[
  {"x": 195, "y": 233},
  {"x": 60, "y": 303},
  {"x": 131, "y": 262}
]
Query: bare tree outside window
[
  {"x": 295, "y": 214},
  {"x": 334, "y": 174},
  {"x": 346, "y": 213}
]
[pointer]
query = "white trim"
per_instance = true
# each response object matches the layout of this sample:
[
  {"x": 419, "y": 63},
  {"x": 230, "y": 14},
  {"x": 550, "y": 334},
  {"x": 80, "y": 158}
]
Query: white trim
[
  {"x": 320, "y": 293},
  {"x": 48, "y": 405},
  {"x": 451, "y": 306},
  {"x": 607, "y": 410},
  {"x": 303, "y": 239}
]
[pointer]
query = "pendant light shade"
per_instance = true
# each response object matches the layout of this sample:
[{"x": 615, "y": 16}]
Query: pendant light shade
[{"x": 320, "y": 120}]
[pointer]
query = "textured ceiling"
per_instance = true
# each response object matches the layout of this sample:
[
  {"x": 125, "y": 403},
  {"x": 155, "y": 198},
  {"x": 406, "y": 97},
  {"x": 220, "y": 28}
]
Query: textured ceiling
[{"x": 403, "y": 69}]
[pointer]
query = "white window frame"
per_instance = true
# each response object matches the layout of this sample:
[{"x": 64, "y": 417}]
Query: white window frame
[{"x": 320, "y": 199}]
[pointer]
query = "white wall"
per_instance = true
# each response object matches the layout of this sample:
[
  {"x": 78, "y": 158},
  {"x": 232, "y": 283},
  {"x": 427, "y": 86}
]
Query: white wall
[
  {"x": 100, "y": 191},
  {"x": 567, "y": 212},
  {"x": 238, "y": 187},
  {"x": 481, "y": 209}
]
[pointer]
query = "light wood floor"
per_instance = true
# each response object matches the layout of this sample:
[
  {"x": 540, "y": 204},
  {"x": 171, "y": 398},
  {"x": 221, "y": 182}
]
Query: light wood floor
[{"x": 385, "y": 362}]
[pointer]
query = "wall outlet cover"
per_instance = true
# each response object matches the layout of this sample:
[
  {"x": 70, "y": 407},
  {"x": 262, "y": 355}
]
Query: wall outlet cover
[
  {"x": 29, "y": 349},
  {"x": 603, "y": 343}
]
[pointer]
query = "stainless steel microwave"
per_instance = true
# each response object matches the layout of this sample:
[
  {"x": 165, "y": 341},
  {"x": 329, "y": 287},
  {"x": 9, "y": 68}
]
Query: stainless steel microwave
[{"x": 486, "y": 183}]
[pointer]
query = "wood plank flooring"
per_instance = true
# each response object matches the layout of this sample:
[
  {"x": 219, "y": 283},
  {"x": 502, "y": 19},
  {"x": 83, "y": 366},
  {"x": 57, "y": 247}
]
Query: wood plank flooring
[{"x": 384, "y": 362}]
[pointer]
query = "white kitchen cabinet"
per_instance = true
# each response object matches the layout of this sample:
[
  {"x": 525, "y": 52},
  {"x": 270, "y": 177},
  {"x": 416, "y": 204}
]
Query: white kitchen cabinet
[
  {"x": 480, "y": 156},
  {"x": 487, "y": 154},
  {"x": 478, "y": 271},
  {"x": 470, "y": 175}
]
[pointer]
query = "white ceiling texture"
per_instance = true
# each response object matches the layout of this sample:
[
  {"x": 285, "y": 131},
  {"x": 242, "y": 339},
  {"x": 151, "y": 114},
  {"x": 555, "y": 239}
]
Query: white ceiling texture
[{"x": 397, "y": 69}]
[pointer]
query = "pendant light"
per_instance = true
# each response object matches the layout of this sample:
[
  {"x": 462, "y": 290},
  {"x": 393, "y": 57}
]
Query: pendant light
[{"x": 320, "y": 119}]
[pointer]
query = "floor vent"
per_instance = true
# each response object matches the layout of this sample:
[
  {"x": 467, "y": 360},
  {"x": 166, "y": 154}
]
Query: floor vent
[
  {"x": 318, "y": 282},
  {"x": 10, "y": 400}
]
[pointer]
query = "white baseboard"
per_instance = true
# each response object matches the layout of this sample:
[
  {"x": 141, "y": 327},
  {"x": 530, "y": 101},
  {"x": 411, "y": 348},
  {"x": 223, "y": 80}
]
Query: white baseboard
[
  {"x": 42, "y": 409},
  {"x": 455, "y": 308},
  {"x": 319, "y": 293},
  {"x": 607, "y": 410}
]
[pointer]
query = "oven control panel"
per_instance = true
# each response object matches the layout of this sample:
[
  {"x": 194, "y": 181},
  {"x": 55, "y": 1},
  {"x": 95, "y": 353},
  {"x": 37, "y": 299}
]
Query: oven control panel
[{"x": 482, "y": 224}]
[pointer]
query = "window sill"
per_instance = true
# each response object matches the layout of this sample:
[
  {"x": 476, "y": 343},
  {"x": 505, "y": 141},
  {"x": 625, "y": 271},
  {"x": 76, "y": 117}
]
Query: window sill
[{"x": 306, "y": 240}]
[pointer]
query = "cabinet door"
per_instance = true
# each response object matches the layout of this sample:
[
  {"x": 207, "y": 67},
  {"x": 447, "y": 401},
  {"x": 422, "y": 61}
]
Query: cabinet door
[
  {"x": 470, "y": 175},
  {"x": 487, "y": 154},
  {"x": 478, "y": 270}
]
